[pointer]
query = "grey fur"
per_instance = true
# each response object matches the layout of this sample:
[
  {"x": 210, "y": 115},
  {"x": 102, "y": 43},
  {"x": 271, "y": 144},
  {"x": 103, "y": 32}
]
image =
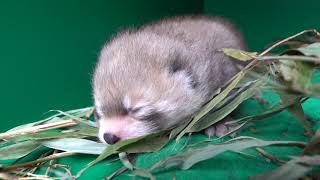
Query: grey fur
[{"x": 175, "y": 61}]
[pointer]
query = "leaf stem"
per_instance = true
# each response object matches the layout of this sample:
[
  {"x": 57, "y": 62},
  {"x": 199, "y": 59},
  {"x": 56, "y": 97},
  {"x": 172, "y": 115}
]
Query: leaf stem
[{"x": 288, "y": 39}]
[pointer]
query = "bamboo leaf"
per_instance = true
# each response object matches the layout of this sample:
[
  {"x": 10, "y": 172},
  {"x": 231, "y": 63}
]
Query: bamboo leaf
[
  {"x": 130, "y": 145},
  {"x": 297, "y": 74},
  {"x": 76, "y": 145},
  {"x": 146, "y": 144},
  {"x": 187, "y": 159},
  {"x": 264, "y": 114},
  {"x": 211, "y": 104},
  {"x": 239, "y": 54},
  {"x": 18, "y": 150},
  {"x": 311, "y": 50},
  {"x": 296, "y": 109},
  {"x": 218, "y": 115}
]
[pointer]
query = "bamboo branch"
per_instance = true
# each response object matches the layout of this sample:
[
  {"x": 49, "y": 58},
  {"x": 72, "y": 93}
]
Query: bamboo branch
[
  {"x": 50, "y": 164},
  {"x": 38, "y": 128},
  {"x": 287, "y": 39},
  {"x": 8, "y": 176}
]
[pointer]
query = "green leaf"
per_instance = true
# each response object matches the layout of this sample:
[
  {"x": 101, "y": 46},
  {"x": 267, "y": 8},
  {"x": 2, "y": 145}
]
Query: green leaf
[
  {"x": 263, "y": 115},
  {"x": 296, "y": 109},
  {"x": 234, "y": 93},
  {"x": 146, "y": 144},
  {"x": 18, "y": 150},
  {"x": 297, "y": 74},
  {"x": 239, "y": 54},
  {"x": 76, "y": 145},
  {"x": 211, "y": 104},
  {"x": 187, "y": 159},
  {"x": 306, "y": 71},
  {"x": 292, "y": 170},
  {"x": 218, "y": 115},
  {"x": 311, "y": 50},
  {"x": 154, "y": 141}
]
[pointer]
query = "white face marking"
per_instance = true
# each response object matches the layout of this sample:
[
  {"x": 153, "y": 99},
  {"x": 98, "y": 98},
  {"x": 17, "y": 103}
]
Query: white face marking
[
  {"x": 123, "y": 127},
  {"x": 98, "y": 107},
  {"x": 143, "y": 111},
  {"x": 141, "y": 108},
  {"x": 126, "y": 102},
  {"x": 165, "y": 105}
]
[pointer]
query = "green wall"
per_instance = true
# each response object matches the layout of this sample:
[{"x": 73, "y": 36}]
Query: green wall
[
  {"x": 264, "y": 22},
  {"x": 48, "y": 49}
]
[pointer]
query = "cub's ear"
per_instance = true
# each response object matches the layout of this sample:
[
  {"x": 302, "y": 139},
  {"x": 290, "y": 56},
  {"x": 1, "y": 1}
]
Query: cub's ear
[
  {"x": 183, "y": 74},
  {"x": 176, "y": 66}
]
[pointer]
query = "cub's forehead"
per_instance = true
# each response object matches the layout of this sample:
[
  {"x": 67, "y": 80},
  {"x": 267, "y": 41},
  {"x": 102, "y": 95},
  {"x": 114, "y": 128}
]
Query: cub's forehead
[{"x": 109, "y": 108}]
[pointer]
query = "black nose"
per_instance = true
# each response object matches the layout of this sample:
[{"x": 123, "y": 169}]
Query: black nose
[{"x": 110, "y": 138}]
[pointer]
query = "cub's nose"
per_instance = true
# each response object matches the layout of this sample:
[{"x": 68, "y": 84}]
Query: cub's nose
[{"x": 110, "y": 138}]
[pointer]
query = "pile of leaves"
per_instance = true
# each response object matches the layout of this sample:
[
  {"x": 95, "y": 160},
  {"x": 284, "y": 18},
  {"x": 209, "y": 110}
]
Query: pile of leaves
[{"x": 285, "y": 68}]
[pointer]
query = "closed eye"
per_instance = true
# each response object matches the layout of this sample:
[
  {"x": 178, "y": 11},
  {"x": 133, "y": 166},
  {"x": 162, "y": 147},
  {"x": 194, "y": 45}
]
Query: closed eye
[
  {"x": 141, "y": 112},
  {"x": 151, "y": 117}
]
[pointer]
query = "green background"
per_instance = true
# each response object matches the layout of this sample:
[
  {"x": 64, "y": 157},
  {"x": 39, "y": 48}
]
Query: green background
[{"x": 48, "y": 50}]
